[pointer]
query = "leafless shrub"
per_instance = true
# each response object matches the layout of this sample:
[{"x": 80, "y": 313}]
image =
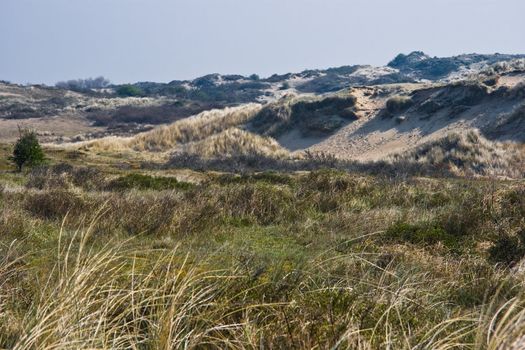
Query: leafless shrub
[
  {"x": 64, "y": 176},
  {"x": 54, "y": 204},
  {"x": 84, "y": 84}
]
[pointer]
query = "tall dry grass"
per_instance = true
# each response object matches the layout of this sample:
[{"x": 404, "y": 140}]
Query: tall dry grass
[
  {"x": 260, "y": 261},
  {"x": 467, "y": 154},
  {"x": 192, "y": 129},
  {"x": 121, "y": 298},
  {"x": 235, "y": 142}
]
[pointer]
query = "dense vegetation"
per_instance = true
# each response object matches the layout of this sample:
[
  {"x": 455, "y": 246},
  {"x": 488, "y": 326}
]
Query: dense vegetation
[{"x": 104, "y": 258}]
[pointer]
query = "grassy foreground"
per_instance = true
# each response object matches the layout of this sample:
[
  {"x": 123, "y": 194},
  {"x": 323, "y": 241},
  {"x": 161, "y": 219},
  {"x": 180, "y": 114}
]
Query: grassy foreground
[{"x": 100, "y": 259}]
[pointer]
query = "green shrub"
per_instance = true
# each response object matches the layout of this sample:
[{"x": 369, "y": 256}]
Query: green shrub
[
  {"x": 492, "y": 81},
  {"x": 323, "y": 126},
  {"x": 398, "y": 104},
  {"x": 146, "y": 182},
  {"x": 285, "y": 86},
  {"x": 27, "y": 150},
  {"x": 267, "y": 204},
  {"x": 508, "y": 249},
  {"x": 269, "y": 177},
  {"x": 129, "y": 91},
  {"x": 425, "y": 233}
]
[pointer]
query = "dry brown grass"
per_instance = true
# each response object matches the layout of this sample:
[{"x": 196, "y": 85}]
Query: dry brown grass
[
  {"x": 235, "y": 142},
  {"x": 104, "y": 300},
  {"x": 467, "y": 154},
  {"x": 211, "y": 134},
  {"x": 192, "y": 129}
]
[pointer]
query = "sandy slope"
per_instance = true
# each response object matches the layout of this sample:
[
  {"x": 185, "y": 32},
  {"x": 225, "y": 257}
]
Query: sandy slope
[
  {"x": 374, "y": 137},
  {"x": 48, "y": 128}
]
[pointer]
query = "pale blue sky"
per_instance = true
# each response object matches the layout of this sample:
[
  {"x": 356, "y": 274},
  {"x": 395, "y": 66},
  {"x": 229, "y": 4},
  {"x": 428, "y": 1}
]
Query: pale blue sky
[{"x": 162, "y": 40}]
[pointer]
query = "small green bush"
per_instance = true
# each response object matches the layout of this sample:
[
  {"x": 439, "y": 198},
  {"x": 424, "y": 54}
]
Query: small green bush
[
  {"x": 285, "y": 86},
  {"x": 269, "y": 177},
  {"x": 322, "y": 126},
  {"x": 129, "y": 91},
  {"x": 426, "y": 234},
  {"x": 507, "y": 249},
  {"x": 146, "y": 182},
  {"x": 492, "y": 81},
  {"x": 27, "y": 151}
]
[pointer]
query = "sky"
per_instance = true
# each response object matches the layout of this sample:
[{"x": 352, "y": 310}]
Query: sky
[{"x": 45, "y": 41}]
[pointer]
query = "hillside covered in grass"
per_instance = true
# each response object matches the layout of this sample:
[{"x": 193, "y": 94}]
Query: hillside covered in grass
[{"x": 95, "y": 258}]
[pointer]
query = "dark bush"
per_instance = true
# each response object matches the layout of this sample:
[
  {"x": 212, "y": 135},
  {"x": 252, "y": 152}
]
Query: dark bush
[
  {"x": 54, "y": 204},
  {"x": 269, "y": 177},
  {"x": 464, "y": 218},
  {"x": 88, "y": 178},
  {"x": 398, "y": 104},
  {"x": 465, "y": 93},
  {"x": 259, "y": 202},
  {"x": 284, "y": 86},
  {"x": 82, "y": 85},
  {"x": 323, "y": 126},
  {"x": 327, "y": 181},
  {"x": 507, "y": 250},
  {"x": 45, "y": 178},
  {"x": 430, "y": 107},
  {"x": 492, "y": 81}
]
